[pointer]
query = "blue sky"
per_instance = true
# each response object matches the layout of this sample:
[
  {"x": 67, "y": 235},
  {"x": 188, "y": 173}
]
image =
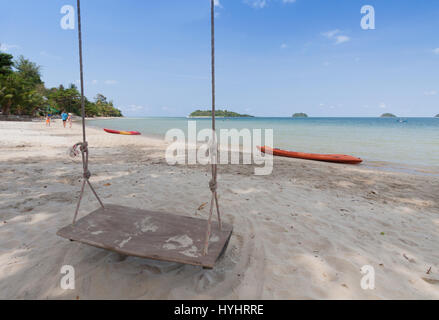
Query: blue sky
[{"x": 274, "y": 57}]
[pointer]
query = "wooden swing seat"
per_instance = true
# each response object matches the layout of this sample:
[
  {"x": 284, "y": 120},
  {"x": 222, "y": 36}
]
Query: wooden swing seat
[{"x": 149, "y": 234}]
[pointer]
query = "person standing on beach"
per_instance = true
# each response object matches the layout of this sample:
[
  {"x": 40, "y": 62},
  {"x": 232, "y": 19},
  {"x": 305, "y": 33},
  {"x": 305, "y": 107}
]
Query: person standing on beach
[
  {"x": 48, "y": 119},
  {"x": 69, "y": 120},
  {"x": 64, "y": 117}
]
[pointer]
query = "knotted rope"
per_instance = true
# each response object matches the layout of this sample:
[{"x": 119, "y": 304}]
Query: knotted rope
[
  {"x": 213, "y": 153},
  {"x": 83, "y": 146},
  {"x": 212, "y": 185}
]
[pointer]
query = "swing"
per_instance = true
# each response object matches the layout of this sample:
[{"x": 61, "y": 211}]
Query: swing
[{"x": 144, "y": 233}]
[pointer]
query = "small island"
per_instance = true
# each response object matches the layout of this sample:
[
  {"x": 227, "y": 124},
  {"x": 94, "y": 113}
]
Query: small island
[
  {"x": 218, "y": 113},
  {"x": 437, "y": 116},
  {"x": 388, "y": 115},
  {"x": 300, "y": 115}
]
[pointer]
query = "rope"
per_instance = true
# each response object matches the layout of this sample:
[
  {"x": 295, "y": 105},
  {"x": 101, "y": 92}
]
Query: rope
[
  {"x": 81, "y": 68},
  {"x": 83, "y": 146},
  {"x": 212, "y": 185},
  {"x": 213, "y": 182}
]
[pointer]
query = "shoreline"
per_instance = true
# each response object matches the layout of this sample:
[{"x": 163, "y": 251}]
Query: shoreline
[
  {"x": 380, "y": 165},
  {"x": 385, "y": 166}
]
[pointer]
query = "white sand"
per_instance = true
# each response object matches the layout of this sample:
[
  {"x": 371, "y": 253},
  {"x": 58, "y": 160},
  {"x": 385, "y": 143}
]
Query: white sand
[{"x": 303, "y": 232}]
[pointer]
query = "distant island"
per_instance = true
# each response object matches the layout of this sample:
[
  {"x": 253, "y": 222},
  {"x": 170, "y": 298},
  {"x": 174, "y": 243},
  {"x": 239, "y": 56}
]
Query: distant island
[
  {"x": 218, "y": 113},
  {"x": 300, "y": 115},
  {"x": 388, "y": 115},
  {"x": 437, "y": 116}
]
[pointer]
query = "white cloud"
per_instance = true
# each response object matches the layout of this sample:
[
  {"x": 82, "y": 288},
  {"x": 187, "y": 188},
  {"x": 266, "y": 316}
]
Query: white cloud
[
  {"x": 283, "y": 46},
  {"x": 94, "y": 82},
  {"x": 341, "y": 39},
  {"x": 259, "y": 4},
  {"x": 217, "y": 3},
  {"x": 335, "y": 35},
  {"x": 383, "y": 105},
  {"x": 7, "y": 47},
  {"x": 436, "y": 51},
  {"x": 110, "y": 82},
  {"x": 330, "y": 34},
  {"x": 430, "y": 93}
]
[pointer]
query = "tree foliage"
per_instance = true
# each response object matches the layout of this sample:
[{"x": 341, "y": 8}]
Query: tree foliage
[
  {"x": 218, "y": 113},
  {"x": 28, "y": 71},
  {"x": 300, "y": 115},
  {"x": 22, "y": 92},
  {"x": 388, "y": 115},
  {"x": 6, "y": 64}
]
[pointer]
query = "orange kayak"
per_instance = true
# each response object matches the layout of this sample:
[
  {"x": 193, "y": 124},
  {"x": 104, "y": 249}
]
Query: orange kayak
[
  {"x": 339, "y": 158},
  {"x": 127, "y": 133}
]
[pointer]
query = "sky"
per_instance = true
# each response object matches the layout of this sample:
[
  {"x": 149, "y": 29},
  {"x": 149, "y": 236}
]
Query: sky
[{"x": 273, "y": 57}]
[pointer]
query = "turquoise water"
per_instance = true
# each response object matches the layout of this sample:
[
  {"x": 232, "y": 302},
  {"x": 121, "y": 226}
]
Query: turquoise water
[{"x": 413, "y": 142}]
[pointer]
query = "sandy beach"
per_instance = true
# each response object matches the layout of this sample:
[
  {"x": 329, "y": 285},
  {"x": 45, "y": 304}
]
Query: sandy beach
[{"x": 303, "y": 232}]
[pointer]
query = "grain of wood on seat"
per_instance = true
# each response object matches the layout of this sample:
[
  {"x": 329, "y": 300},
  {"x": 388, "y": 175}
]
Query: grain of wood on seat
[{"x": 149, "y": 234}]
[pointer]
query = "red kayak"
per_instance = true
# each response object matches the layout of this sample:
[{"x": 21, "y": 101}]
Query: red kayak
[
  {"x": 339, "y": 158},
  {"x": 127, "y": 133}
]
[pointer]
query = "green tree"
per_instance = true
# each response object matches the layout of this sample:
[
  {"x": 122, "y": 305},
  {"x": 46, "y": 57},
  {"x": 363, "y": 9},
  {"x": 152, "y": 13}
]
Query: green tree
[
  {"x": 29, "y": 71},
  {"x": 19, "y": 97},
  {"x": 101, "y": 99},
  {"x": 65, "y": 99},
  {"x": 8, "y": 92},
  {"x": 103, "y": 108},
  {"x": 6, "y": 64},
  {"x": 22, "y": 92}
]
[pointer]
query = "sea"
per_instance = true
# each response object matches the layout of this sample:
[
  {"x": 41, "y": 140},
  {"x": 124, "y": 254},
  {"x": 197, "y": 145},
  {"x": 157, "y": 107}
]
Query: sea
[{"x": 403, "y": 144}]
